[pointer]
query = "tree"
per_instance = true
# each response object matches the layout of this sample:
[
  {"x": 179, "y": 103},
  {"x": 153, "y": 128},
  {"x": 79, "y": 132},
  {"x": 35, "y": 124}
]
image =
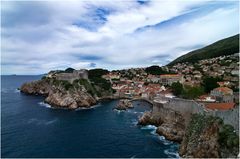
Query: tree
[
  {"x": 177, "y": 88},
  {"x": 97, "y": 73},
  {"x": 155, "y": 70},
  {"x": 192, "y": 92},
  {"x": 209, "y": 83},
  {"x": 69, "y": 70}
]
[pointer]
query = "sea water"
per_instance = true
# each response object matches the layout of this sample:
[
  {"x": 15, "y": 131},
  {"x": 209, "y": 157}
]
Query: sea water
[{"x": 31, "y": 128}]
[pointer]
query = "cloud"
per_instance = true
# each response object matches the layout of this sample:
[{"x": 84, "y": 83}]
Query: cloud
[{"x": 41, "y": 36}]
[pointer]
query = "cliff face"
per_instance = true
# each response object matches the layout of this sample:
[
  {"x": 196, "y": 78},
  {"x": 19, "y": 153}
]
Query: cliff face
[
  {"x": 201, "y": 138},
  {"x": 40, "y": 87},
  {"x": 60, "y": 93},
  {"x": 170, "y": 123},
  {"x": 124, "y": 104},
  {"x": 208, "y": 137}
]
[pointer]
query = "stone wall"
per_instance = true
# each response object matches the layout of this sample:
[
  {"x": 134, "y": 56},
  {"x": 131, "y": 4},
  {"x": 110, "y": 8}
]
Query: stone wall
[
  {"x": 70, "y": 77},
  {"x": 230, "y": 117},
  {"x": 189, "y": 107}
]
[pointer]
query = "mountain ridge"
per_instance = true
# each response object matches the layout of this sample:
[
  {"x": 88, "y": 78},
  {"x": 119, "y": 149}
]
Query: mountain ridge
[{"x": 221, "y": 47}]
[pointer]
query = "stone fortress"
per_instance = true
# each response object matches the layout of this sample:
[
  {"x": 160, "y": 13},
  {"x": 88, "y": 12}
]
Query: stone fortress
[{"x": 70, "y": 77}]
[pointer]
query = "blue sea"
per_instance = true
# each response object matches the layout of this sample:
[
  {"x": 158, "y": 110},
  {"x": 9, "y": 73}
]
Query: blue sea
[{"x": 31, "y": 128}]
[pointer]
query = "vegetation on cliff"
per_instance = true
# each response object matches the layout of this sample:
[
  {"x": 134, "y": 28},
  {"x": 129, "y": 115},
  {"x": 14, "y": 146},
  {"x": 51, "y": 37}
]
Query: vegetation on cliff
[
  {"x": 96, "y": 85},
  {"x": 228, "y": 140},
  {"x": 208, "y": 136},
  {"x": 226, "y": 46},
  {"x": 101, "y": 86}
]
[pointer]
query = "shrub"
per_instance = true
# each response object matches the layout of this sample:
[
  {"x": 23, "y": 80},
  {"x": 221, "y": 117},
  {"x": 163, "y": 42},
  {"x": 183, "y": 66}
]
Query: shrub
[{"x": 177, "y": 88}]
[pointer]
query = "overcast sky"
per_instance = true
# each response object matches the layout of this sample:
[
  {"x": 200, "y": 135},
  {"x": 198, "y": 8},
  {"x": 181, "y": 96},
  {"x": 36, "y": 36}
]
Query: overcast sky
[{"x": 48, "y": 35}]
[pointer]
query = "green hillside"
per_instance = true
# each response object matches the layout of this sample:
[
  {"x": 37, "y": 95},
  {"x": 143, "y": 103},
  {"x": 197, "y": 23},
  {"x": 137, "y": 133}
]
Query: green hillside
[{"x": 226, "y": 46}]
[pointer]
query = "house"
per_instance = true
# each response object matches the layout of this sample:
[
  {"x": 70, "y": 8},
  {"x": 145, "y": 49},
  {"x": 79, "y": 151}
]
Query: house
[
  {"x": 153, "y": 78},
  {"x": 144, "y": 95},
  {"x": 219, "y": 106},
  {"x": 206, "y": 98},
  {"x": 169, "y": 79},
  {"x": 222, "y": 94},
  {"x": 166, "y": 93},
  {"x": 111, "y": 76},
  {"x": 222, "y": 84},
  {"x": 235, "y": 72}
]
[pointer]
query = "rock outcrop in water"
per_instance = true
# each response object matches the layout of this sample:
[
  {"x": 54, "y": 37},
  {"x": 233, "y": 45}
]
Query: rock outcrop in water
[
  {"x": 124, "y": 104},
  {"x": 171, "y": 124},
  {"x": 60, "y": 93}
]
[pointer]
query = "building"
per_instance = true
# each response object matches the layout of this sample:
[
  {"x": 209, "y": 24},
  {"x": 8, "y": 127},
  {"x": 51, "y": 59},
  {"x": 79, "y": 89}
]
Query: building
[
  {"x": 206, "y": 98},
  {"x": 220, "y": 106},
  {"x": 153, "y": 78},
  {"x": 111, "y": 76},
  {"x": 222, "y": 94},
  {"x": 169, "y": 79},
  {"x": 70, "y": 77},
  {"x": 222, "y": 84}
]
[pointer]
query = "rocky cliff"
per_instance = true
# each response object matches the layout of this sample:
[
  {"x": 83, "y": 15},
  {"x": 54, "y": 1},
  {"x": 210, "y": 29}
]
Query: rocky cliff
[
  {"x": 60, "y": 93},
  {"x": 208, "y": 137},
  {"x": 203, "y": 137},
  {"x": 170, "y": 123},
  {"x": 124, "y": 104}
]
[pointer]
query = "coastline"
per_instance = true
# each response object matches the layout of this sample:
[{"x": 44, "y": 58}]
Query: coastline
[{"x": 171, "y": 120}]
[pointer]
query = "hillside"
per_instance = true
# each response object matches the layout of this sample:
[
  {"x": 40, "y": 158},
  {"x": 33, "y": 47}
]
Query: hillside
[{"x": 226, "y": 46}]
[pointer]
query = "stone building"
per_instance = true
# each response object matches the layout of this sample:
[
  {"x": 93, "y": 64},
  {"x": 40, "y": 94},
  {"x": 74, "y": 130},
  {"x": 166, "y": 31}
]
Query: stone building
[
  {"x": 223, "y": 94},
  {"x": 70, "y": 77},
  {"x": 169, "y": 79}
]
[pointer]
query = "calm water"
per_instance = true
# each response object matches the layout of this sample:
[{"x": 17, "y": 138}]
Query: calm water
[{"x": 29, "y": 128}]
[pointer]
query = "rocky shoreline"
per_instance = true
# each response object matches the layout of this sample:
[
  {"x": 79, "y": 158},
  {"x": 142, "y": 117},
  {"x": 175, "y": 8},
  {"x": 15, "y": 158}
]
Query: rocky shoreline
[
  {"x": 170, "y": 125},
  {"x": 58, "y": 96},
  {"x": 196, "y": 139},
  {"x": 204, "y": 137}
]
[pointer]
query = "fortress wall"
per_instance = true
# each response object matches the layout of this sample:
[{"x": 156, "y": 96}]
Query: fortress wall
[
  {"x": 230, "y": 117},
  {"x": 189, "y": 107}
]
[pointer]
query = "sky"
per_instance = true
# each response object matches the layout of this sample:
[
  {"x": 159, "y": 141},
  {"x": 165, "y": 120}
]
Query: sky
[{"x": 39, "y": 36}]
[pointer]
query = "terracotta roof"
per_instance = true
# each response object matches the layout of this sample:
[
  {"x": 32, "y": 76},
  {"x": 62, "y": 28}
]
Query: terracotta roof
[
  {"x": 223, "y": 89},
  {"x": 170, "y": 75},
  {"x": 220, "y": 83},
  {"x": 220, "y": 106}
]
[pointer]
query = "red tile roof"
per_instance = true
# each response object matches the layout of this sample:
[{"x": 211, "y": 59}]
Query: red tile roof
[
  {"x": 170, "y": 75},
  {"x": 220, "y": 106},
  {"x": 223, "y": 89}
]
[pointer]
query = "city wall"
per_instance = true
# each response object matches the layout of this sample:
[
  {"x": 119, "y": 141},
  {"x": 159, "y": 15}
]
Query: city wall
[{"x": 188, "y": 107}]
